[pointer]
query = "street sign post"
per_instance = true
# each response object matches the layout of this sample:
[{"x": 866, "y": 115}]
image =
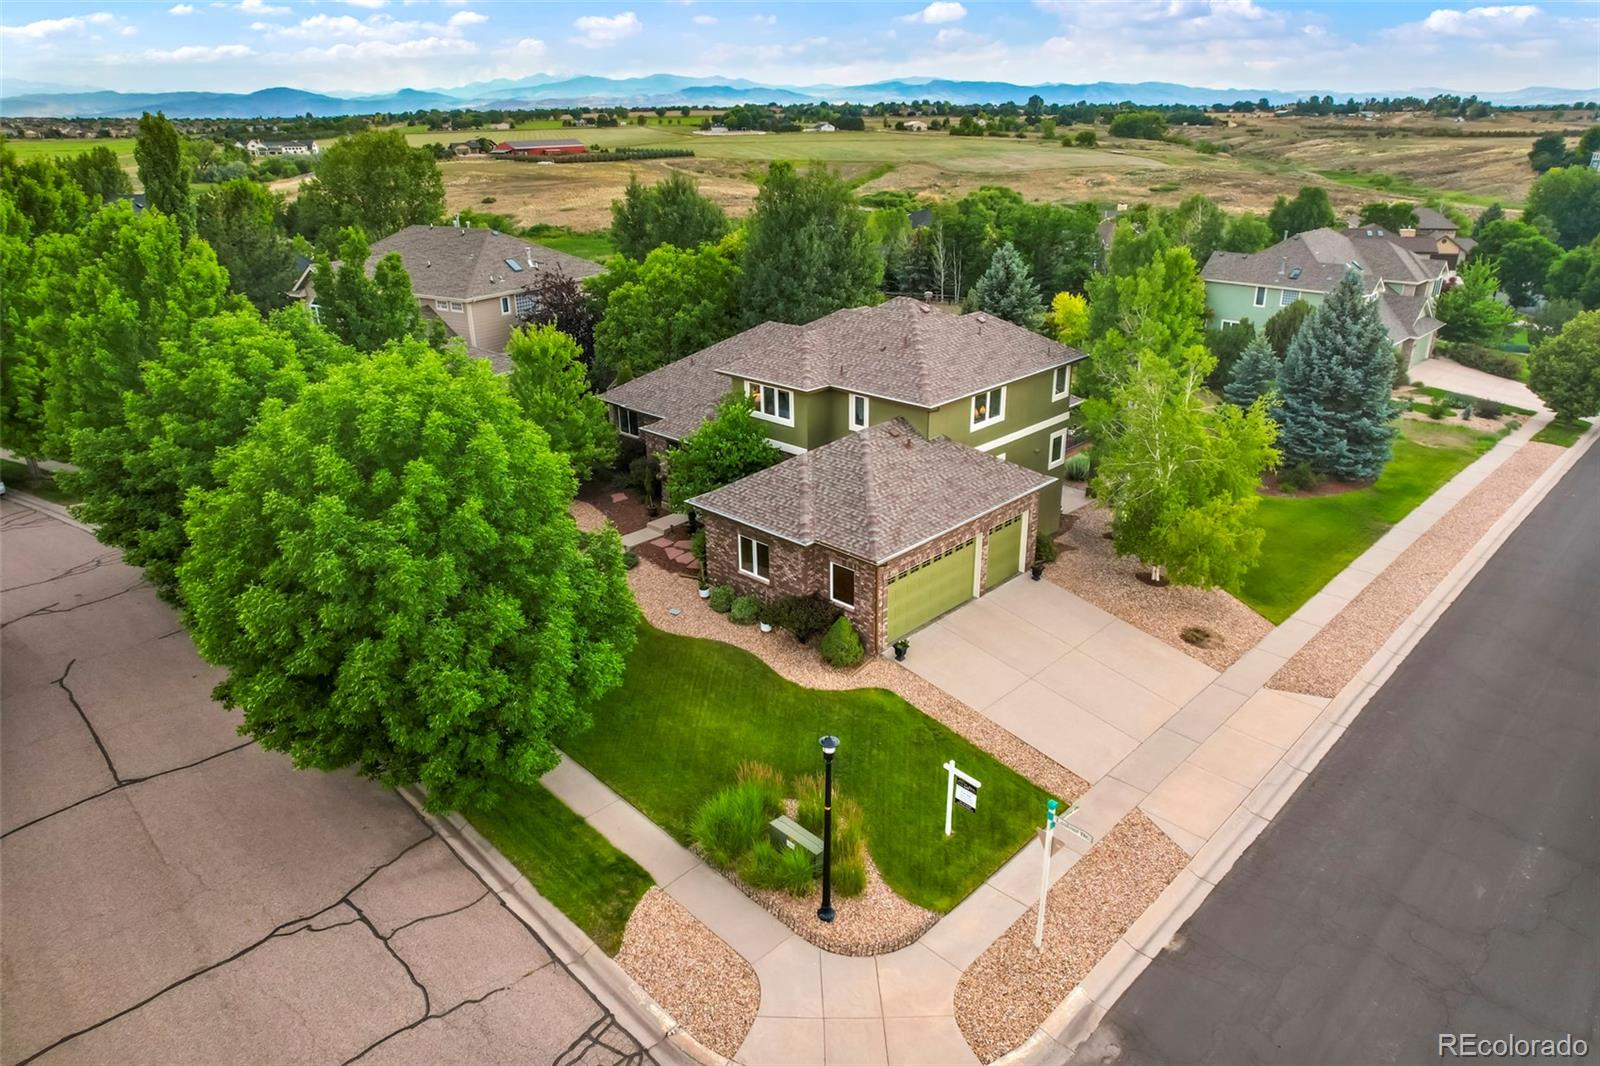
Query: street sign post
[
  {"x": 960, "y": 788},
  {"x": 1044, "y": 873}
]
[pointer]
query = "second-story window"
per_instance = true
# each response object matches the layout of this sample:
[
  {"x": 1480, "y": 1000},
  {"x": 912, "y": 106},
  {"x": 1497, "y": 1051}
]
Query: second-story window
[
  {"x": 1061, "y": 383},
  {"x": 1287, "y": 297},
  {"x": 772, "y": 403},
  {"x": 988, "y": 407},
  {"x": 858, "y": 411},
  {"x": 1261, "y": 296}
]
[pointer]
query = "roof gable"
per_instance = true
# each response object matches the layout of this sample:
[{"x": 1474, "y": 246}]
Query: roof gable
[{"x": 472, "y": 262}]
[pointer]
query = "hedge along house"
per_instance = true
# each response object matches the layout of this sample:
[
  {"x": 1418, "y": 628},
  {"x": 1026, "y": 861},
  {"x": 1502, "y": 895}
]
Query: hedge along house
[
  {"x": 892, "y": 528},
  {"x": 1254, "y": 287},
  {"x": 981, "y": 382}
]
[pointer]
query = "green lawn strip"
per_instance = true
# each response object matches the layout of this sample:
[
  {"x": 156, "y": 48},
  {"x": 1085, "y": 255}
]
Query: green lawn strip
[
  {"x": 1562, "y": 432},
  {"x": 567, "y": 860},
  {"x": 1442, "y": 394},
  {"x": 594, "y": 246},
  {"x": 1399, "y": 186},
  {"x": 1310, "y": 539},
  {"x": 15, "y": 475},
  {"x": 689, "y": 711}
]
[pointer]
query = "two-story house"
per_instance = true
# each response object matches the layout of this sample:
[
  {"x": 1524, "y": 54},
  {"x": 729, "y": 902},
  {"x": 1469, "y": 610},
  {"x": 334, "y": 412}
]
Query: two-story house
[
  {"x": 926, "y": 449},
  {"x": 1253, "y": 287}
]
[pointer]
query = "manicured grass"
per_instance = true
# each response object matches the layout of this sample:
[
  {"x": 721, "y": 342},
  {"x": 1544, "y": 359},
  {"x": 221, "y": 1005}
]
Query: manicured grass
[
  {"x": 26, "y": 149},
  {"x": 1562, "y": 432},
  {"x": 15, "y": 475},
  {"x": 596, "y": 246},
  {"x": 1310, "y": 539},
  {"x": 690, "y": 711},
  {"x": 567, "y": 860},
  {"x": 1440, "y": 394}
]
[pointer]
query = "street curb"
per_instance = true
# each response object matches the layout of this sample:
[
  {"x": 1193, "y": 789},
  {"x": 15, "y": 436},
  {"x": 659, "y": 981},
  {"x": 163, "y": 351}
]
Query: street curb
[
  {"x": 54, "y": 510},
  {"x": 637, "y": 1011},
  {"x": 1080, "y": 1014}
]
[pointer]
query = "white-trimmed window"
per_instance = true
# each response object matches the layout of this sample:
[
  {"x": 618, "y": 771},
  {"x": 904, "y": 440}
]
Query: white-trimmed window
[
  {"x": 627, "y": 421},
  {"x": 457, "y": 305},
  {"x": 859, "y": 407},
  {"x": 505, "y": 305},
  {"x": 1287, "y": 297},
  {"x": 1261, "y": 296},
  {"x": 754, "y": 558},
  {"x": 989, "y": 407},
  {"x": 441, "y": 305},
  {"x": 1058, "y": 448},
  {"x": 1061, "y": 383},
  {"x": 772, "y": 403},
  {"x": 842, "y": 585},
  {"x": 1226, "y": 322}
]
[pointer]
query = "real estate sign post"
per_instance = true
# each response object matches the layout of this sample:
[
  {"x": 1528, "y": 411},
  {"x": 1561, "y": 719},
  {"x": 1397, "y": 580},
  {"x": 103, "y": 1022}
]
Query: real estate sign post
[{"x": 961, "y": 788}]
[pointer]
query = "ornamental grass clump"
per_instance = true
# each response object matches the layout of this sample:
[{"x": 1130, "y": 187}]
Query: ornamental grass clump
[{"x": 728, "y": 825}]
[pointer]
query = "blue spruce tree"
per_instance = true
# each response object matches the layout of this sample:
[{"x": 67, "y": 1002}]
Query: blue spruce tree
[
  {"x": 1334, "y": 407},
  {"x": 1255, "y": 374},
  {"x": 1007, "y": 290}
]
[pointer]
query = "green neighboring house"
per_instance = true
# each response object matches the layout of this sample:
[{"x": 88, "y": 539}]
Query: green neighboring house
[
  {"x": 1254, "y": 287},
  {"x": 927, "y": 449}
]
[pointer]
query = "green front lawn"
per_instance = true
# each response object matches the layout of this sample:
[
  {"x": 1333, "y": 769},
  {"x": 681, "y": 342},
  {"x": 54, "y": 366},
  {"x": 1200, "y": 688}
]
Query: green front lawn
[
  {"x": 1310, "y": 539},
  {"x": 595, "y": 246},
  {"x": 689, "y": 711},
  {"x": 1562, "y": 432},
  {"x": 567, "y": 860}
]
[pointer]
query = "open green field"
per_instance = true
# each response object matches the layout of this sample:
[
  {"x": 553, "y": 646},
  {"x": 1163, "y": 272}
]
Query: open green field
[
  {"x": 1310, "y": 539},
  {"x": 689, "y": 711},
  {"x": 25, "y": 149}
]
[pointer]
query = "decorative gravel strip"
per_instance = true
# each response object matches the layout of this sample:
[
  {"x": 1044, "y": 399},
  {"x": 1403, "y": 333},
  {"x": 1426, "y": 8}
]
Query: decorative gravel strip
[
  {"x": 659, "y": 591},
  {"x": 1327, "y": 663},
  {"x": 588, "y": 517},
  {"x": 1011, "y": 988},
  {"x": 1088, "y": 567},
  {"x": 702, "y": 982},
  {"x": 874, "y": 923}
]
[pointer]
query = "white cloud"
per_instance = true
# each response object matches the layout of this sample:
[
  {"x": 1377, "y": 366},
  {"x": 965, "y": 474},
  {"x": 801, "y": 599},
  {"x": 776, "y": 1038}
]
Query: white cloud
[
  {"x": 261, "y": 7},
  {"x": 764, "y": 20},
  {"x": 705, "y": 20},
  {"x": 600, "y": 31},
  {"x": 189, "y": 53},
  {"x": 42, "y": 28},
  {"x": 181, "y": 9},
  {"x": 321, "y": 27},
  {"x": 940, "y": 11},
  {"x": 366, "y": 3},
  {"x": 952, "y": 36},
  {"x": 464, "y": 18},
  {"x": 528, "y": 48},
  {"x": 1479, "y": 21},
  {"x": 417, "y": 48}
]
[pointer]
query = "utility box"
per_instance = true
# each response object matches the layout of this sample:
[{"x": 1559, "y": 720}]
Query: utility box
[{"x": 786, "y": 833}]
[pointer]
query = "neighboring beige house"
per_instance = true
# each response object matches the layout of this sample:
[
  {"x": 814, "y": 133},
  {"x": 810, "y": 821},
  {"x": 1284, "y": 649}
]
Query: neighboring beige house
[{"x": 476, "y": 281}]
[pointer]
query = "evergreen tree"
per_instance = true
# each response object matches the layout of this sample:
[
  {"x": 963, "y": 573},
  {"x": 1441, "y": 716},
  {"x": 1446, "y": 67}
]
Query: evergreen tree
[
  {"x": 163, "y": 171},
  {"x": 670, "y": 212},
  {"x": 1281, "y": 328},
  {"x": 365, "y": 312},
  {"x": 549, "y": 383},
  {"x": 1007, "y": 290},
  {"x": 1334, "y": 401},
  {"x": 1254, "y": 375}
]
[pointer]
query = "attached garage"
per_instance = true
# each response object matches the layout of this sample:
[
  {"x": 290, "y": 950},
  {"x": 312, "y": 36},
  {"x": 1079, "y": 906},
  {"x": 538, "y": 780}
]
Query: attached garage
[
  {"x": 1005, "y": 550},
  {"x": 923, "y": 592}
]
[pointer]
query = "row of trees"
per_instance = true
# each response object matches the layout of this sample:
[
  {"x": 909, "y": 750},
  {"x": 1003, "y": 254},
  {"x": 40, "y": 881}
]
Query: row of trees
[{"x": 1553, "y": 249}]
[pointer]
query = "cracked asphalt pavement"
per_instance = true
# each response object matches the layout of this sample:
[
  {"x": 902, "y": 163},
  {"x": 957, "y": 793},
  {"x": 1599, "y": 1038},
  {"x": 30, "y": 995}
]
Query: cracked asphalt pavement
[
  {"x": 172, "y": 894},
  {"x": 1439, "y": 871}
]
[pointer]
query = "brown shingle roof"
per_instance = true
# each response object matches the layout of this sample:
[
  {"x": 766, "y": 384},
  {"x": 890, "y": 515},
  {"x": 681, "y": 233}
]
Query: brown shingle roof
[
  {"x": 685, "y": 393},
  {"x": 1406, "y": 316},
  {"x": 1430, "y": 219},
  {"x": 469, "y": 263},
  {"x": 1321, "y": 256},
  {"x": 901, "y": 350},
  {"x": 873, "y": 494}
]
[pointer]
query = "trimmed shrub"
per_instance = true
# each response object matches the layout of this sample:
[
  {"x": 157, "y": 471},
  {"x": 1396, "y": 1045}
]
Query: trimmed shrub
[
  {"x": 1500, "y": 364},
  {"x": 630, "y": 558},
  {"x": 841, "y": 645},
  {"x": 745, "y": 611},
  {"x": 1076, "y": 467},
  {"x": 1044, "y": 549},
  {"x": 1298, "y": 478},
  {"x": 722, "y": 599},
  {"x": 1490, "y": 409},
  {"x": 1438, "y": 409},
  {"x": 802, "y": 616},
  {"x": 730, "y": 823},
  {"x": 850, "y": 877}
]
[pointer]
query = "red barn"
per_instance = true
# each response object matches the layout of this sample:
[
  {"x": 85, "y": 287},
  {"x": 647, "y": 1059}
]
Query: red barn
[{"x": 565, "y": 146}]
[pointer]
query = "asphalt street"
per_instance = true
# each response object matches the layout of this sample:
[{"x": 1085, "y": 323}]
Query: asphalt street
[{"x": 1439, "y": 871}]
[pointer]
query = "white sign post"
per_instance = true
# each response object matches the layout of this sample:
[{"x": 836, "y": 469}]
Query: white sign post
[
  {"x": 1044, "y": 874},
  {"x": 961, "y": 788}
]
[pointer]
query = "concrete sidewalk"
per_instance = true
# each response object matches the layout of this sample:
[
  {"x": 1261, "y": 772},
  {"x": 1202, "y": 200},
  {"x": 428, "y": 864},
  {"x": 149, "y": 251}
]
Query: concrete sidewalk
[{"x": 1447, "y": 374}]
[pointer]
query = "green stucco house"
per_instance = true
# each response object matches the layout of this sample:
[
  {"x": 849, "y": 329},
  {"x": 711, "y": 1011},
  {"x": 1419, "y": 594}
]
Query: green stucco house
[{"x": 1254, "y": 287}]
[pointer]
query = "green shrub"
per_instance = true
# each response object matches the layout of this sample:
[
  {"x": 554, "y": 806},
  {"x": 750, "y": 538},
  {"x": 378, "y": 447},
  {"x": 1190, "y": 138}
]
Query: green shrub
[
  {"x": 802, "y": 616},
  {"x": 1438, "y": 409},
  {"x": 841, "y": 645},
  {"x": 630, "y": 558},
  {"x": 1490, "y": 409},
  {"x": 745, "y": 611},
  {"x": 1044, "y": 549},
  {"x": 1076, "y": 467},
  {"x": 722, "y": 599},
  {"x": 697, "y": 544},
  {"x": 1207, "y": 147},
  {"x": 788, "y": 870},
  {"x": 849, "y": 877},
  {"x": 766, "y": 781},
  {"x": 1500, "y": 364},
  {"x": 730, "y": 823},
  {"x": 1298, "y": 478}
]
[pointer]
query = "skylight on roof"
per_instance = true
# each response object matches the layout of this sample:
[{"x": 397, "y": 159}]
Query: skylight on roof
[
  {"x": 514, "y": 265},
  {"x": 1295, "y": 273}
]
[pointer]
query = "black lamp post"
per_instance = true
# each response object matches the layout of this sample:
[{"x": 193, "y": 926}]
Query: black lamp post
[{"x": 830, "y": 744}]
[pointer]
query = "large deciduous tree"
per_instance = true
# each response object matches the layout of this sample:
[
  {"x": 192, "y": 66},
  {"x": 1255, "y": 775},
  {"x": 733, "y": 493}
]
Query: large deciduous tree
[
  {"x": 1310, "y": 209},
  {"x": 1390, "y": 216},
  {"x": 724, "y": 449},
  {"x": 1152, "y": 302},
  {"x": 163, "y": 170},
  {"x": 365, "y": 312},
  {"x": 1007, "y": 290},
  {"x": 1334, "y": 402},
  {"x": 374, "y": 180},
  {"x": 23, "y": 359},
  {"x": 559, "y": 301},
  {"x": 1198, "y": 224},
  {"x": 242, "y": 221},
  {"x": 549, "y": 382},
  {"x": 673, "y": 304},
  {"x": 1564, "y": 371},
  {"x": 1469, "y": 309},
  {"x": 1069, "y": 319},
  {"x": 43, "y": 193},
  {"x": 1569, "y": 197},
  {"x": 99, "y": 174},
  {"x": 388, "y": 572},
  {"x": 669, "y": 212},
  {"x": 807, "y": 252}
]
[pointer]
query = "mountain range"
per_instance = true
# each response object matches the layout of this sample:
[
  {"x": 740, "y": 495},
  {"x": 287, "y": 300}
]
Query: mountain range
[{"x": 24, "y": 99}]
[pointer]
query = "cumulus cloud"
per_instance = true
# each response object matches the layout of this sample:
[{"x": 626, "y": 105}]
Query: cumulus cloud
[
  {"x": 764, "y": 20},
  {"x": 940, "y": 11},
  {"x": 181, "y": 9},
  {"x": 42, "y": 28},
  {"x": 261, "y": 7},
  {"x": 366, "y": 3},
  {"x": 705, "y": 20},
  {"x": 1478, "y": 21},
  {"x": 601, "y": 31},
  {"x": 189, "y": 53}
]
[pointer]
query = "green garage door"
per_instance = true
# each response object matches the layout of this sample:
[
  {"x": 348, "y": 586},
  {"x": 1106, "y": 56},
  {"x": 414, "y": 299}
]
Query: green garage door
[
  {"x": 1005, "y": 554},
  {"x": 919, "y": 595}
]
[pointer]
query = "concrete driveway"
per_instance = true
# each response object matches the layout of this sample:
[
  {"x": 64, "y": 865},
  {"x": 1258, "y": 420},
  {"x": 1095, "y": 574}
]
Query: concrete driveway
[
  {"x": 1445, "y": 374},
  {"x": 173, "y": 894},
  {"x": 1075, "y": 682}
]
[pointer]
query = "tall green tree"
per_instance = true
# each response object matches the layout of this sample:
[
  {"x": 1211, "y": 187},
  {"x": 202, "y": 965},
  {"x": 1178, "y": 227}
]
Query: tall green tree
[
  {"x": 1576, "y": 276},
  {"x": 1198, "y": 224},
  {"x": 163, "y": 170},
  {"x": 1226, "y": 344},
  {"x": 388, "y": 572},
  {"x": 1157, "y": 308},
  {"x": 199, "y": 396},
  {"x": 1281, "y": 328},
  {"x": 1469, "y": 309},
  {"x": 1564, "y": 371},
  {"x": 23, "y": 358},
  {"x": 43, "y": 193},
  {"x": 725, "y": 448},
  {"x": 548, "y": 381},
  {"x": 365, "y": 312},
  {"x": 1334, "y": 404},
  {"x": 670, "y": 212},
  {"x": 1181, "y": 477},
  {"x": 1247, "y": 233},
  {"x": 1068, "y": 320},
  {"x": 1391, "y": 216},
  {"x": 1007, "y": 290},
  {"x": 673, "y": 304},
  {"x": 1255, "y": 374},
  {"x": 1548, "y": 151},
  {"x": 806, "y": 252},
  {"x": 1310, "y": 209},
  {"x": 99, "y": 174},
  {"x": 243, "y": 223},
  {"x": 1569, "y": 197},
  {"x": 374, "y": 180}
]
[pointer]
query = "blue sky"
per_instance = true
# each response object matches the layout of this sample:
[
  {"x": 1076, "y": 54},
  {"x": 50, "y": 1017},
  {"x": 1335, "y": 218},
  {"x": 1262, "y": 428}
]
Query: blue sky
[{"x": 379, "y": 45}]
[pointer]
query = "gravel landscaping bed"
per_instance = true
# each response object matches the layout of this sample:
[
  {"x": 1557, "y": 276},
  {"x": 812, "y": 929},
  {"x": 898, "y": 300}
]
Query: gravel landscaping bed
[
  {"x": 1087, "y": 567},
  {"x": 874, "y": 923},
  {"x": 696, "y": 977},
  {"x": 658, "y": 591},
  {"x": 588, "y": 517},
  {"x": 1011, "y": 988},
  {"x": 1325, "y": 665}
]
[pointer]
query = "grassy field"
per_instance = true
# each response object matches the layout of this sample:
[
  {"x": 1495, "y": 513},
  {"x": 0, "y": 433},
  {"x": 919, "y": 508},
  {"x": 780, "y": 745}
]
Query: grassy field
[
  {"x": 1310, "y": 539},
  {"x": 1562, "y": 432},
  {"x": 568, "y": 861},
  {"x": 690, "y": 711}
]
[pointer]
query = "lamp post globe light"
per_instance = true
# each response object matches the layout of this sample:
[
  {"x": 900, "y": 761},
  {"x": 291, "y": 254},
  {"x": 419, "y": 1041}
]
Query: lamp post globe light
[{"x": 830, "y": 744}]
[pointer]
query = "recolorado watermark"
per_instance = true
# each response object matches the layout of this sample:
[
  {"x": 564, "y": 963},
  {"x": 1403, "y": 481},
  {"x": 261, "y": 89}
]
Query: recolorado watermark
[{"x": 1477, "y": 1046}]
